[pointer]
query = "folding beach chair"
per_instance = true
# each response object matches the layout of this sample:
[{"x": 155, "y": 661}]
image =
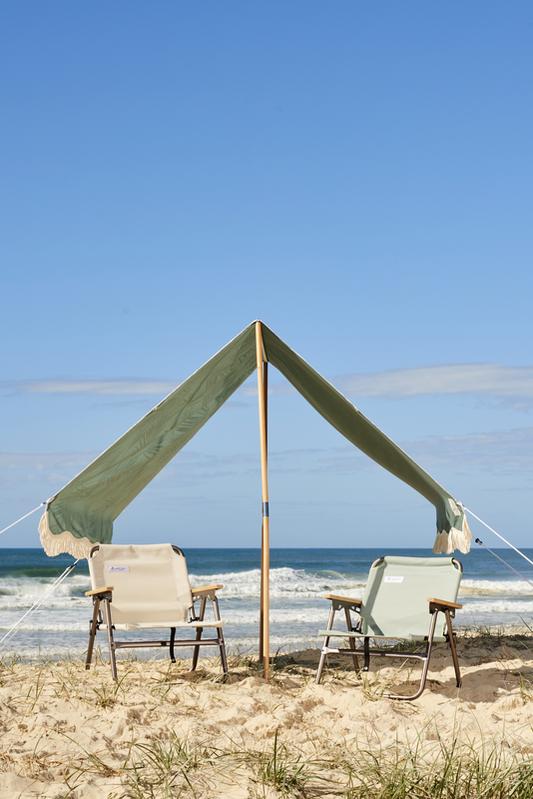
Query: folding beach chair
[
  {"x": 146, "y": 586},
  {"x": 402, "y": 601}
]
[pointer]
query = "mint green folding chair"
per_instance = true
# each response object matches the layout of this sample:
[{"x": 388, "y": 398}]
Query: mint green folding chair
[{"x": 402, "y": 601}]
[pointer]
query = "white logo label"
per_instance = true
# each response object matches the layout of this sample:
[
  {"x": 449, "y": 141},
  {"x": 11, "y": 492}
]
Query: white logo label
[
  {"x": 392, "y": 579},
  {"x": 118, "y": 568}
]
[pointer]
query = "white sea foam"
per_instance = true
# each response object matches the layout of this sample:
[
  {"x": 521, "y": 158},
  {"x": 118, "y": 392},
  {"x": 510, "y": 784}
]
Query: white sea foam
[
  {"x": 495, "y": 607},
  {"x": 51, "y": 627},
  {"x": 495, "y": 588},
  {"x": 23, "y": 592},
  {"x": 283, "y": 582}
]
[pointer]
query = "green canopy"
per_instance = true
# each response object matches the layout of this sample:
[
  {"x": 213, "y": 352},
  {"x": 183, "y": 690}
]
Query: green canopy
[{"x": 82, "y": 513}]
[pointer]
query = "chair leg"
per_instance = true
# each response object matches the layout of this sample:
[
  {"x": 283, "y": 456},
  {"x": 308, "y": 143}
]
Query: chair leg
[
  {"x": 221, "y": 642},
  {"x": 110, "y": 641},
  {"x": 351, "y": 640},
  {"x": 222, "y": 647},
  {"x": 199, "y": 631},
  {"x": 321, "y": 662},
  {"x": 171, "y": 645},
  {"x": 323, "y": 654},
  {"x": 425, "y": 667},
  {"x": 451, "y": 642},
  {"x": 366, "y": 653},
  {"x": 92, "y": 633}
]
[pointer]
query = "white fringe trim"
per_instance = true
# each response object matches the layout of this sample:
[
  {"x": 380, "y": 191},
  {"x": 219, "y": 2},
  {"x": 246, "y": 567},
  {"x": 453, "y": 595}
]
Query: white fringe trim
[
  {"x": 446, "y": 543},
  {"x": 64, "y": 542}
]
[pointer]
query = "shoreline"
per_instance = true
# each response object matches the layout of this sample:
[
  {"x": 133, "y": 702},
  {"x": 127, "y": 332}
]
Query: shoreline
[
  {"x": 237, "y": 650},
  {"x": 71, "y": 732}
]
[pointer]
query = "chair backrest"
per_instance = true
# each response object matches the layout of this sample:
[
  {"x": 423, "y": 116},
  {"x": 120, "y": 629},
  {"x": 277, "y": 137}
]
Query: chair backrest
[
  {"x": 150, "y": 582},
  {"x": 395, "y": 600}
]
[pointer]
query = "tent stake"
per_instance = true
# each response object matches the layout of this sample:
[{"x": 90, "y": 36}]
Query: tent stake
[{"x": 264, "y": 644}]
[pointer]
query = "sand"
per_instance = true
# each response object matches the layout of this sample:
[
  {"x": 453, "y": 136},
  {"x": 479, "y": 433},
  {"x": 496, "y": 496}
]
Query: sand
[{"x": 163, "y": 731}]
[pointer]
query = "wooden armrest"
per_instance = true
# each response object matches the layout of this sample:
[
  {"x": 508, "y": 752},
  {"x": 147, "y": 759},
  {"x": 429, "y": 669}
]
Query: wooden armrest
[
  {"x": 96, "y": 591},
  {"x": 344, "y": 599},
  {"x": 206, "y": 588},
  {"x": 444, "y": 603}
]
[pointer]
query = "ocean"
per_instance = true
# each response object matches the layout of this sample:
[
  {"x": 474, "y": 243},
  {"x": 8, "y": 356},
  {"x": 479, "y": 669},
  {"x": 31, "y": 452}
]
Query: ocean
[{"x": 492, "y": 595}]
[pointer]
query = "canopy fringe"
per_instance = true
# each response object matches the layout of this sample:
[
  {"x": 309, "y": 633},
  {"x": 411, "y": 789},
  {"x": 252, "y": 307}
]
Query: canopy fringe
[
  {"x": 446, "y": 543},
  {"x": 64, "y": 542}
]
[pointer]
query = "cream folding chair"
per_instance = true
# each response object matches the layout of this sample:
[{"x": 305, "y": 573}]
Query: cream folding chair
[
  {"x": 400, "y": 603},
  {"x": 146, "y": 586}
]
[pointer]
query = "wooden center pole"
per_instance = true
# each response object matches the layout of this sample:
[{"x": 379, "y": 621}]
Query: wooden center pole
[{"x": 264, "y": 643}]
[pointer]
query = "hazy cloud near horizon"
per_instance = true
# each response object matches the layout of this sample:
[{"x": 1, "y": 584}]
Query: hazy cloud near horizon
[
  {"x": 119, "y": 387},
  {"x": 495, "y": 451},
  {"x": 478, "y": 379},
  {"x": 511, "y": 383}
]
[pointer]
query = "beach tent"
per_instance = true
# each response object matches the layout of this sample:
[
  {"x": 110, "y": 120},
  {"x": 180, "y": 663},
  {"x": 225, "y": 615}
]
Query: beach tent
[{"x": 82, "y": 513}]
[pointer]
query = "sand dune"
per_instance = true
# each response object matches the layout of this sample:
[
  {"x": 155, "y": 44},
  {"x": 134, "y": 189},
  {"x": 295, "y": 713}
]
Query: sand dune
[{"x": 161, "y": 731}]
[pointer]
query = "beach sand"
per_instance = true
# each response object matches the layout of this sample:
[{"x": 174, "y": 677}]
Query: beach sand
[{"x": 163, "y": 731}]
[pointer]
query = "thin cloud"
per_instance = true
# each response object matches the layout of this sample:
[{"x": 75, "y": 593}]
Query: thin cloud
[
  {"x": 43, "y": 461},
  {"x": 56, "y": 469},
  {"x": 512, "y": 384},
  {"x": 102, "y": 388},
  {"x": 50, "y": 470},
  {"x": 90, "y": 387},
  {"x": 477, "y": 379},
  {"x": 497, "y": 451}
]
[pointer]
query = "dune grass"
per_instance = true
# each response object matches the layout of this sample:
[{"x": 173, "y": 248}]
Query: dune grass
[{"x": 174, "y": 768}]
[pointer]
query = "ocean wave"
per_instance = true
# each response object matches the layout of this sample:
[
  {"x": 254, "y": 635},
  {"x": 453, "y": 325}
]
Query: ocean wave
[
  {"x": 286, "y": 585},
  {"x": 78, "y": 618},
  {"x": 51, "y": 627},
  {"x": 24, "y": 592},
  {"x": 495, "y": 588},
  {"x": 494, "y": 607},
  {"x": 282, "y": 582},
  {"x": 44, "y": 572}
]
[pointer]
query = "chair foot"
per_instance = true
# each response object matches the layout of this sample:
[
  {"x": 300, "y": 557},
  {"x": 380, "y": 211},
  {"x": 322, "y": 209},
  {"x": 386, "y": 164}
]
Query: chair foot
[{"x": 320, "y": 667}]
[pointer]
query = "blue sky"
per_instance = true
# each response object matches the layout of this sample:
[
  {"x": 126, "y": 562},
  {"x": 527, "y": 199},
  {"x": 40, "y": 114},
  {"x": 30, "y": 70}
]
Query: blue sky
[{"x": 357, "y": 175}]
